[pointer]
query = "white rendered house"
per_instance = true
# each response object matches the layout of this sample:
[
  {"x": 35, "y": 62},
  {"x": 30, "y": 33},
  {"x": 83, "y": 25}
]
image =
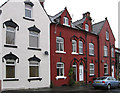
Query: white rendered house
[{"x": 24, "y": 45}]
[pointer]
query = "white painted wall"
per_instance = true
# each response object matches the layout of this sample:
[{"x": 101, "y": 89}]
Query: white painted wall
[
  {"x": 119, "y": 24},
  {"x": 15, "y": 10}
]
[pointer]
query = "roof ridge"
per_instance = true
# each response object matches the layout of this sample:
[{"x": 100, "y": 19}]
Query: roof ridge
[{"x": 99, "y": 22}]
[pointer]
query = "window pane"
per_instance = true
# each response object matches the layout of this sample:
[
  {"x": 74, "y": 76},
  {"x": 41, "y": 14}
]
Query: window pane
[
  {"x": 34, "y": 72},
  {"x": 10, "y": 71},
  {"x": 10, "y": 37},
  {"x": 27, "y": 13},
  {"x": 33, "y": 41},
  {"x": 86, "y": 27},
  {"x": 60, "y": 69},
  {"x": 59, "y": 44}
]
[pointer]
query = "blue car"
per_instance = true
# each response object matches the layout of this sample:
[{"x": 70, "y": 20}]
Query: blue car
[{"x": 106, "y": 82}]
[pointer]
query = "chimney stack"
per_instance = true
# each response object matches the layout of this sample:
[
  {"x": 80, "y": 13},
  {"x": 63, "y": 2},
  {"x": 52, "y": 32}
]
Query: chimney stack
[
  {"x": 42, "y": 2},
  {"x": 87, "y": 14}
]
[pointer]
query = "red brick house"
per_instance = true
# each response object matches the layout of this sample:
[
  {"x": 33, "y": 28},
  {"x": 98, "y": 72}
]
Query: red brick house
[{"x": 77, "y": 45}]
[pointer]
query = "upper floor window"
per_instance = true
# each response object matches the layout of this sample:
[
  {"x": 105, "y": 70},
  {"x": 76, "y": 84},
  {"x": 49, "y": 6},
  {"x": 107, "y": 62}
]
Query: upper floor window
[
  {"x": 105, "y": 69},
  {"x": 33, "y": 39},
  {"x": 60, "y": 69},
  {"x": 74, "y": 46},
  {"x": 34, "y": 34},
  {"x": 80, "y": 47},
  {"x": 10, "y": 35},
  {"x": 112, "y": 52},
  {"x": 65, "y": 22},
  {"x": 91, "y": 49},
  {"x": 91, "y": 69},
  {"x": 105, "y": 51},
  {"x": 107, "y": 35},
  {"x": 59, "y": 44},
  {"x": 86, "y": 27}
]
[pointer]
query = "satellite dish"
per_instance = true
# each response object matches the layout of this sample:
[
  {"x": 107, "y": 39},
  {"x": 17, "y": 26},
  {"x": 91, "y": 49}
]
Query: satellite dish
[{"x": 42, "y": 0}]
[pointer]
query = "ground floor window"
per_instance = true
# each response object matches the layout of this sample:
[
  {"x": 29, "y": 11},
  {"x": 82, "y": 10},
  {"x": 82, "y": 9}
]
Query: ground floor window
[
  {"x": 34, "y": 69},
  {"x": 10, "y": 69},
  {"x": 91, "y": 69},
  {"x": 105, "y": 69},
  {"x": 60, "y": 69}
]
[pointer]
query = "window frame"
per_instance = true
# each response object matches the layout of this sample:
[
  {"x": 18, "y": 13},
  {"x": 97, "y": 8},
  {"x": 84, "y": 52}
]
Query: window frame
[
  {"x": 60, "y": 47},
  {"x": 92, "y": 69},
  {"x": 86, "y": 27},
  {"x": 34, "y": 64},
  {"x": 29, "y": 8},
  {"x": 106, "y": 69},
  {"x": 91, "y": 49},
  {"x": 105, "y": 51},
  {"x": 107, "y": 35},
  {"x": 61, "y": 63},
  {"x": 80, "y": 47},
  {"x": 65, "y": 21},
  {"x": 74, "y": 46},
  {"x": 11, "y": 65},
  {"x": 37, "y": 35},
  {"x": 112, "y": 52},
  {"x": 8, "y": 30}
]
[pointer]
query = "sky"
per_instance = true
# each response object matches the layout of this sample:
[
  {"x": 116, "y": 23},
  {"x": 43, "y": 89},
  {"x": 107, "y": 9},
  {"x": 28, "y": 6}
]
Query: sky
[{"x": 99, "y": 9}]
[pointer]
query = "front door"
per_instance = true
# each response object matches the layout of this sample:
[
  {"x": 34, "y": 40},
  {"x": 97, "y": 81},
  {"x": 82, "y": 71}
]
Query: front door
[
  {"x": 81, "y": 73},
  {"x": 74, "y": 71},
  {"x": 112, "y": 70}
]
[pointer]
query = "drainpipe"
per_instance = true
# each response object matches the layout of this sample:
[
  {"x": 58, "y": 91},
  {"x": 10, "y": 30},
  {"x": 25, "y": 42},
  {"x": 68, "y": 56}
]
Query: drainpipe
[
  {"x": 86, "y": 55},
  {"x": 98, "y": 57},
  {"x": 110, "y": 58}
]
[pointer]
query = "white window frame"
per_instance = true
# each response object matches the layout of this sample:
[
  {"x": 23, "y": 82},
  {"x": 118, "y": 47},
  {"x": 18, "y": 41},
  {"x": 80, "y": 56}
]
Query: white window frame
[
  {"x": 107, "y": 35},
  {"x": 34, "y": 64},
  {"x": 65, "y": 21},
  {"x": 29, "y": 8},
  {"x": 74, "y": 46},
  {"x": 112, "y": 52},
  {"x": 92, "y": 69},
  {"x": 91, "y": 49},
  {"x": 10, "y": 30},
  {"x": 80, "y": 47},
  {"x": 60, "y": 44},
  {"x": 13, "y": 63},
  {"x": 86, "y": 27},
  {"x": 61, "y": 63},
  {"x": 106, "y": 69},
  {"x": 31, "y": 34},
  {"x": 105, "y": 51}
]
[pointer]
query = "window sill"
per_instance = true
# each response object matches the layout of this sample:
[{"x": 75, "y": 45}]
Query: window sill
[
  {"x": 35, "y": 78},
  {"x": 66, "y": 25},
  {"x": 91, "y": 55},
  {"x": 74, "y": 53},
  {"x": 106, "y": 74},
  {"x": 62, "y": 52},
  {"x": 60, "y": 77},
  {"x": 31, "y": 48},
  {"x": 11, "y": 79},
  {"x": 28, "y": 18},
  {"x": 10, "y": 46},
  {"x": 105, "y": 56},
  {"x": 81, "y": 54},
  {"x": 92, "y": 75}
]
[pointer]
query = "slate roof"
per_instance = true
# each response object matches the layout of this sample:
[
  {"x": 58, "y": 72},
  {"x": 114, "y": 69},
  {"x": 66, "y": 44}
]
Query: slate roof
[
  {"x": 56, "y": 16},
  {"x": 97, "y": 27}
]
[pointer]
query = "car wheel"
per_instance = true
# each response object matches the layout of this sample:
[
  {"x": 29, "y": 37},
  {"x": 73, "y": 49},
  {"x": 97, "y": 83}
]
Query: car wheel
[
  {"x": 109, "y": 87},
  {"x": 119, "y": 85}
]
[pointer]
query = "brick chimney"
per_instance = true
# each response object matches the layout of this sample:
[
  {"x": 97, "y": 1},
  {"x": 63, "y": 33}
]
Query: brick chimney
[
  {"x": 42, "y": 2},
  {"x": 87, "y": 14}
]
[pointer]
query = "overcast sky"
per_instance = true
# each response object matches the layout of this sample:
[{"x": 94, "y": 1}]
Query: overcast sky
[{"x": 99, "y": 9}]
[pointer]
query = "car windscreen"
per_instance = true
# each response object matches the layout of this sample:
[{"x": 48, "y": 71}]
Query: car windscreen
[{"x": 101, "y": 78}]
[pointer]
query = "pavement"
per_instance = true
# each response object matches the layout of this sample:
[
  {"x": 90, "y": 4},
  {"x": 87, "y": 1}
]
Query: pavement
[{"x": 55, "y": 89}]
